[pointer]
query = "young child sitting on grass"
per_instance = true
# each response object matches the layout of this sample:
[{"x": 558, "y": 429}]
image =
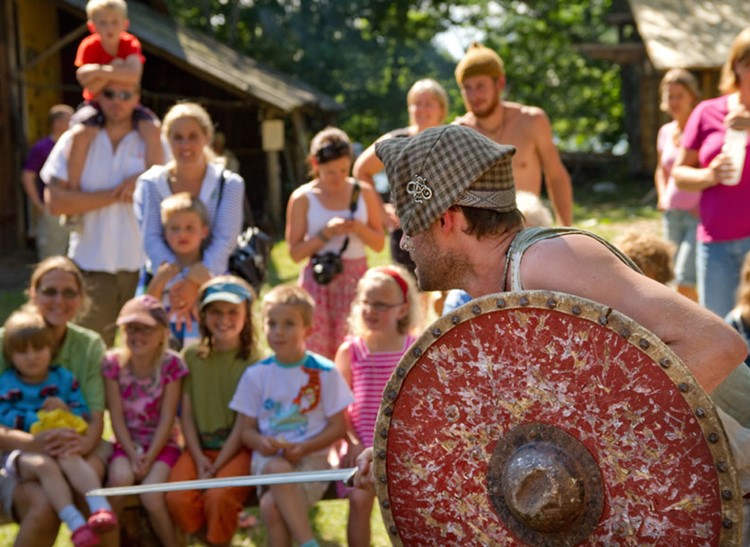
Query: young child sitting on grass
[
  {"x": 185, "y": 223},
  {"x": 109, "y": 54},
  {"x": 293, "y": 408},
  {"x": 34, "y": 386}
]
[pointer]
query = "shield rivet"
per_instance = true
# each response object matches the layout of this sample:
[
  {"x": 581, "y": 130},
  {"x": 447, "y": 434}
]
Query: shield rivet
[
  {"x": 436, "y": 332},
  {"x": 383, "y": 479},
  {"x": 726, "y": 495},
  {"x": 388, "y": 411},
  {"x": 603, "y": 320},
  {"x": 644, "y": 344},
  {"x": 575, "y": 310},
  {"x": 383, "y": 433},
  {"x": 625, "y": 333},
  {"x": 524, "y": 301},
  {"x": 727, "y": 523},
  {"x": 664, "y": 362},
  {"x": 401, "y": 372},
  {"x": 386, "y": 504},
  {"x": 683, "y": 387},
  {"x": 455, "y": 319},
  {"x": 713, "y": 438},
  {"x": 551, "y": 303},
  {"x": 393, "y": 530},
  {"x": 381, "y": 454},
  {"x": 700, "y": 412},
  {"x": 476, "y": 309},
  {"x": 500, "y": 303},
  {"x": 722, "y": 466},
  {"x": 392, "y": 394},
  {"x": 417, "y": 352}
]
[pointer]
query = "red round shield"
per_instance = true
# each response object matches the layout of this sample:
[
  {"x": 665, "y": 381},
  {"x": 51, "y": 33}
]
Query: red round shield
[{"x": 547, "y": 419}]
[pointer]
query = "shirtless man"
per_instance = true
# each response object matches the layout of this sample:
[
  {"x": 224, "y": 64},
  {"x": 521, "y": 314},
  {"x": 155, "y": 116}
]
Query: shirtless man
[{"x": 481, "y": 77}]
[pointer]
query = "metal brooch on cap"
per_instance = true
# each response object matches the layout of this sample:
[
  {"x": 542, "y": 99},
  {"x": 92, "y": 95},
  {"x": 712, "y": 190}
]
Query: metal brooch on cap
[{"x": 418, "y": 189}]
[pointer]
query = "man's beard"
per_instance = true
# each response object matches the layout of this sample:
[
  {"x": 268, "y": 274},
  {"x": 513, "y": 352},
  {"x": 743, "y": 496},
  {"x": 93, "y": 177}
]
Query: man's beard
[{"x": 489, "y": 110}]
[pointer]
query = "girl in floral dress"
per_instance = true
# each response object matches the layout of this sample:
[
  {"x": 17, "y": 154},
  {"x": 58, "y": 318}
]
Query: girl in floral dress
[{"x": 143, "y": 385}]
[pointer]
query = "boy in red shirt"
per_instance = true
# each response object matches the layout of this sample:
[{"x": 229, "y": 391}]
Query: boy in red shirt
[{"x": 109, "y": 54}]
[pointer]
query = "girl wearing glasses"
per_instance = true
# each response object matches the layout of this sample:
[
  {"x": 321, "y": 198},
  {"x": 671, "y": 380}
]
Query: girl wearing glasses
[{"x": 382, "y": 316}]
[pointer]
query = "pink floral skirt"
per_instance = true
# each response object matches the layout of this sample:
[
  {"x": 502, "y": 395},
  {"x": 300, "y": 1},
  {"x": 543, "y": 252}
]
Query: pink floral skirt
[{"x": 332, "y": 304}]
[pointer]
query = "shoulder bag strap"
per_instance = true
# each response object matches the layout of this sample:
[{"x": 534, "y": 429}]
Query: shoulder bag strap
[{"x": 352, "y": 209}]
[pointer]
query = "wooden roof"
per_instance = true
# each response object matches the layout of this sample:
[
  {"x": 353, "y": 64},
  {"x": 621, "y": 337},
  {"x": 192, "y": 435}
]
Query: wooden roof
[
  {"x": 692, "y": 34},
  {"x": 199, "y": 53}
]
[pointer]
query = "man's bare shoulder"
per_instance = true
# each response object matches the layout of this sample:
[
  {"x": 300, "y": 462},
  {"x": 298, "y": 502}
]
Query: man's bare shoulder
[
  {"x": 523, "y": 110},
  {"x": 468, "y": 119}
]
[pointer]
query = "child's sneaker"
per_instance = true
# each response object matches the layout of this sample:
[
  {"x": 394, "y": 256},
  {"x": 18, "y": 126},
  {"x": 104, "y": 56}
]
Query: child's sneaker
[
  {"x": 102, "y": 521},
  {"x": 84, "y": 537}
]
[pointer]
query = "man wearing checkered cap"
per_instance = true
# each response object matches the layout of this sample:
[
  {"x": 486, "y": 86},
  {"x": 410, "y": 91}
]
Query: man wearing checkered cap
[
  {"x": 454, "y": 193},
  {"x": 481, "y": 76}
]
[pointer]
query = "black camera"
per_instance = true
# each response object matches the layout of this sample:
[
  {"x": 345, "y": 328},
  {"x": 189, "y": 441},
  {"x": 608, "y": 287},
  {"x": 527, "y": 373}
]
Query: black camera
[{"x": 326, "y": 266}]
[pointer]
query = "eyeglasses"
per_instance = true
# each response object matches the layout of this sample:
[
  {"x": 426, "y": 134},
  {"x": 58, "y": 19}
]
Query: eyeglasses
[
  {"x": 379, "y": 307},
  {"x": 122, "y": 95},
  {"x": 52, "y": 292},
  {"x": 137, "y": 328}
]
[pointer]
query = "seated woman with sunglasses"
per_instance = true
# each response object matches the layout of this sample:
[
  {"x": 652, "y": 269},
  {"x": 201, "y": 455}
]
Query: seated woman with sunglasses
[
  {"x": 320, "y": 218},
  {"x": 56, "y": 289}
]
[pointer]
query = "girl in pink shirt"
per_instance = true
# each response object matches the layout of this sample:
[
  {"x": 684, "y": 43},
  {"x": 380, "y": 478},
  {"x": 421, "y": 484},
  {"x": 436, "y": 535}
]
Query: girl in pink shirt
[{"x": 383, "y": 312}]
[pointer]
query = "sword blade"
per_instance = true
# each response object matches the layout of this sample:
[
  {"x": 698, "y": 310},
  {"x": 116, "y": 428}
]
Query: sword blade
[{"x": 251, "y": 480}]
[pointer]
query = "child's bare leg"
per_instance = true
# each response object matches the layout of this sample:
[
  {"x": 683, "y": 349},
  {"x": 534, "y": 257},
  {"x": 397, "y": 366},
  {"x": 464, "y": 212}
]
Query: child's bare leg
[
  {"x": 44, "y": 469},
  {"x": 120, "y": 473},
  {"x": 154, "y": 504},
  {"x": 278, "y": 532},
  {"x": 83, "y": 479},
  {"x": 358, "y": 527},
  {"x": 150, "y": 132},
  {"x": 290, "y": 502}
]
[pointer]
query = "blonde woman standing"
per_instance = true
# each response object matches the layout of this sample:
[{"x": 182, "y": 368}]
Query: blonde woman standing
[{"x": 189, "y": 131}]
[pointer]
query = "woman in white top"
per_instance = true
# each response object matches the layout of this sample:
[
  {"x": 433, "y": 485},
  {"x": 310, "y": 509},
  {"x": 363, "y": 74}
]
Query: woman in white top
[{"x": 319, "y": 219}]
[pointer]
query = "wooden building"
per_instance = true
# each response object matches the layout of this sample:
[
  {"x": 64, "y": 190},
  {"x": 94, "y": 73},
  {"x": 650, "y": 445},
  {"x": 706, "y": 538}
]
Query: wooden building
[
  {"x": 38, "y": 41},
  {"x": 654, "y": 36}
]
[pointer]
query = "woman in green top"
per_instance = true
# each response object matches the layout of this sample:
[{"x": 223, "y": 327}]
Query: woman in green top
[{"x": 56, "y": 288}]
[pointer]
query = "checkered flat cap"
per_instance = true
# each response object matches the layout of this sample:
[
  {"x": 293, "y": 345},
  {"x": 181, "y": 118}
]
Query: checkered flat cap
[{"x": 444, "y": 166}]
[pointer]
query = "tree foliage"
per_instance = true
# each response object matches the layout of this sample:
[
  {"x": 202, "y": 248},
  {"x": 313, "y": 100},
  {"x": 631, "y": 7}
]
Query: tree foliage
[{"x": 367, "y": 54}]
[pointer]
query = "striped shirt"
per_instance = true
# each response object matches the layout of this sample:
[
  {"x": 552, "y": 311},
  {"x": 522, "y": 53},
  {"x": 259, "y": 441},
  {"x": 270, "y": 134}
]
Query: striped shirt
[
  {"x": 225, "y": 217},
  {"x": 370, "y": 373}
]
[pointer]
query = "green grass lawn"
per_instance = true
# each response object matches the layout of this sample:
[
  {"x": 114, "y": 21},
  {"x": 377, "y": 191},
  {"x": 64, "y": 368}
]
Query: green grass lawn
[{"x": 607, "y": 214}]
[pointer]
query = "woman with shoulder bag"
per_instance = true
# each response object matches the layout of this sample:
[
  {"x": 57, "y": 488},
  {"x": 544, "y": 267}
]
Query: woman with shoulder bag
[
  {"x": 193, "y": 169},
  {"x": 330, "y": 221}
]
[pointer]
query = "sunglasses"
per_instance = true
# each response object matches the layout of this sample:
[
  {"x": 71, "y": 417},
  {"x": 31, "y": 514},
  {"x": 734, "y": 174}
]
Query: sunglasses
[
  {"x": 122, "y": 95},
  {"x": 67, "y": 294}
]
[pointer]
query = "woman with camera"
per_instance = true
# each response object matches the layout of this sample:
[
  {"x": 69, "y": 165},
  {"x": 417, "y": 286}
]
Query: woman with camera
[{"x": 330, "y": 221}]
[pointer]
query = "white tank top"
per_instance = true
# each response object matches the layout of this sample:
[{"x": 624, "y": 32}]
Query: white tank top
[{"x": 318, "y": 216}]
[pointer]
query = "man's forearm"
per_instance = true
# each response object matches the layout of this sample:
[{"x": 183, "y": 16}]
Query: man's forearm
[{"x": 76, "y": 202}]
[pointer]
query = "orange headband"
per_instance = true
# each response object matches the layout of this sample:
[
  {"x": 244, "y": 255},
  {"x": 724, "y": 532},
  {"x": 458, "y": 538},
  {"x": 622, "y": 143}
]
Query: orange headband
[{"x": 396, "y": 277}]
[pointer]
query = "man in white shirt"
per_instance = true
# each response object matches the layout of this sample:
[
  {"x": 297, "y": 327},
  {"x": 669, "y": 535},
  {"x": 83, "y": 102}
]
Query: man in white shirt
[{"x": 108, "y": 247}]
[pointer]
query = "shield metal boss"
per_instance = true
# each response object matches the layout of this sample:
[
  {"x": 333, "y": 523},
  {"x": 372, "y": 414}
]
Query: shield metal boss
[{"x": 542, "y": 418}]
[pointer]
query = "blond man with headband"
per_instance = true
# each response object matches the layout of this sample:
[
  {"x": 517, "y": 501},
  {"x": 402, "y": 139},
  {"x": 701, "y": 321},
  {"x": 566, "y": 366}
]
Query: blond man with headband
[{"x": 481, "y": 77}]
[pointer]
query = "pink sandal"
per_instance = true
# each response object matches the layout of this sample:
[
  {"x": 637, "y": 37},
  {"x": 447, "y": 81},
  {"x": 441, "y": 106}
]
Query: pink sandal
[
  {"x": 84, "y": 537},
  {"x": 102, "y": 521}
]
